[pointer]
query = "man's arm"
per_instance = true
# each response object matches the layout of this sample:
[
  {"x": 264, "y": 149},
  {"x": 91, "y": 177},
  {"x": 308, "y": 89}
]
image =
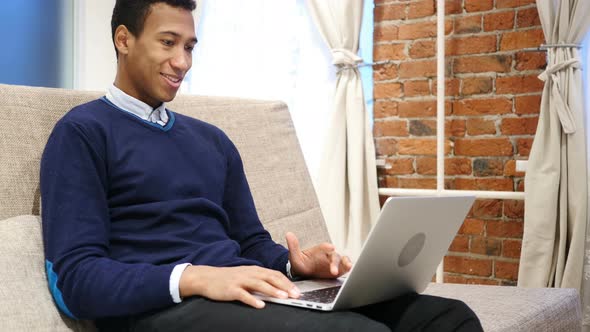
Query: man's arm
[
  {"x": 245, "y": 226},
  {"x": 84, "y": 281}
]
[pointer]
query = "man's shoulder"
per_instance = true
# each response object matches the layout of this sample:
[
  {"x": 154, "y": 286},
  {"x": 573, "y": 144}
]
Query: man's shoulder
[
  {"x": 201, "y": 126},
  {"x": 86, "y": 113}
]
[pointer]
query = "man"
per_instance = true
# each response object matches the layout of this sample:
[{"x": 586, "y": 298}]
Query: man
[{"x": 148, "y": 220}]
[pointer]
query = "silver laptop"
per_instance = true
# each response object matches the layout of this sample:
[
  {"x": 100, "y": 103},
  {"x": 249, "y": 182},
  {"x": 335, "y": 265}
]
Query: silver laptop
[{"x": 400, "y": 254}]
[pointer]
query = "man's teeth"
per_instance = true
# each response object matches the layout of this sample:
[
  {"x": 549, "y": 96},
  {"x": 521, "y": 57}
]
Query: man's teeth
[{"x": 173, "y": 79}]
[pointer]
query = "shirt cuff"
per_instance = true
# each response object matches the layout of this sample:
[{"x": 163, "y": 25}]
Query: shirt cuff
[
  {"x": 175, "y": 281},
  {"x": 288, "y": 269}
]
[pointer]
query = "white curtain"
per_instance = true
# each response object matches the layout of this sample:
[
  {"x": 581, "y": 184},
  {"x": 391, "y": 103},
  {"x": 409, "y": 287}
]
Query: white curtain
[
  {"x": 556, "y": 187},
  {"x": 347, "y": 183},
  {"x": 267, "y": 49}
]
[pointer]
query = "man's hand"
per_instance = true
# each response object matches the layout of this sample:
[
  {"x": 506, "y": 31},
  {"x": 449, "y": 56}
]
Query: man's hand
[
  {"x": 321, "y": 261},
  {"x": 235, "y": 284}
]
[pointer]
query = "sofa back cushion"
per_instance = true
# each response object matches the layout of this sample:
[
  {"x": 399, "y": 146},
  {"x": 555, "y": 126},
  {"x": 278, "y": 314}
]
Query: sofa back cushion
[{"x": 261, "y": 130}]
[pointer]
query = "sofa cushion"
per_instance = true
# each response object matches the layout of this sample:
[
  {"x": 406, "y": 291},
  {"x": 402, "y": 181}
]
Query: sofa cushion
[
  {"x": 27, "y": 304},
  {"x": 513, "y": 309}
]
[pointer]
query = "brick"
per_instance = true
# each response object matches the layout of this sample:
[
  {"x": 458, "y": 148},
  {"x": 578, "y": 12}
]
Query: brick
[
  {"x": 520, "y": 186},
  {"x": 387, "y": 12},
  {"x": 523, "y": 146},
  {"x": 426, "y": 166},
  {"x": 453, "y": 7},
  {"x": 420, "y": 68},
  {"x": 452, "y": 86},
  {"x": 528, "y": 17},
  {"x": 485, "y": 246},
  {"x": 530, "y": 61},
  {"x": 385, "y": 146},
  {"x": 384, "y": 109},
  {"x": 455, "y": 128},
  {"x": 422, "y": 49},
  {"x": 514, "y": 209},
  {"x": 516, "y": 40},
  {"x": 527, "y": 104},
  {"x": 478, "y": 5},
  {"x": 419, "y": 146},
  {"x": 458, "y": 279},
  {"x": 487, "y": 208},
  {"x": 390, "y": 128},
  {"x": 387, "y": 90},
  {"x": 413, "y": 109},
  {"x": 510, "y": 169},
  {"x": 465, "y": 265},
  {"x": 417, "y": 183},
  {"x": 468, "y": 24},
  {"x": 453, "y": 166},
  {"x": 519, "y": 126},
  {"x": 423, "y": 127},
  {"x": 386, "y": 32},
  {"x": 420, "y": 9},
  {"x": 472, "y": 227},
  {"x": 458, "y": 166},
  {"x": 504, "y": 229},
  {"x": 477, "y": 85},
  {"x": 485, "y": 106},
  {"x": 491, "y": 184},
  {"x": 413, "y": 31},
  {"x": 518, "y": 84},
  {"x": 498, "y": 21},
  {"x": 384, "y": 72},
  {"x": 482, "y": 64},
  {"x": 460, "y": 244},
  {"x": 390, "y": 182},
  {"x": 485, "y": 147},
  {"x": 471, "y": 45},
  {"x": 400, "y": 166},
  {"x": 383, "y": 52},
  {"x": 511, "y": 248},
  {"x": 512, "y": 3},
  {"x": 478, "y": 126},
  {"x": 416, "y": 88},
  {"x": 506, "y": 270},
  {"x": 488, "y": 167}
]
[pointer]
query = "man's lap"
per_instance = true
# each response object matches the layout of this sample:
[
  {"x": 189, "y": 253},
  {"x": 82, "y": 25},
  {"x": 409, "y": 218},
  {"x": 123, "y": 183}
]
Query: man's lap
[{"x": 412, "y": 312}]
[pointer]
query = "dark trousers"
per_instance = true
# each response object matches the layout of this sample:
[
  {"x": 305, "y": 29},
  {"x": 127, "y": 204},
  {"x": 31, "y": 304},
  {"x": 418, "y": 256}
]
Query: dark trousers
[{"x": 411, "y": 312}]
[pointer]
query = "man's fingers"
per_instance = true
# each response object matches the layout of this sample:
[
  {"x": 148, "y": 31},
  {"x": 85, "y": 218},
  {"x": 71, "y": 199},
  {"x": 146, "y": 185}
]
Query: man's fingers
[
  {"x": 282, "y": 283},
  {"x": 345, "y": 264},
  {"x": 249, "y": 299},
  {"x": 292, "y": 243},
  {"x": 334, "y": 263}
]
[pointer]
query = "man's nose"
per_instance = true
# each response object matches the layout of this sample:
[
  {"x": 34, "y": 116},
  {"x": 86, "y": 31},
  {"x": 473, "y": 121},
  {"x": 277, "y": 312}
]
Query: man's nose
[{"x": 181, "y": 61}]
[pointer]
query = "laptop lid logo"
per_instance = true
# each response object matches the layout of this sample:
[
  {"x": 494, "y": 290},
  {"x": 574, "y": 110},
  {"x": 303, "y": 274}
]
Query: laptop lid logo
[{"x": 411, "y": 250}]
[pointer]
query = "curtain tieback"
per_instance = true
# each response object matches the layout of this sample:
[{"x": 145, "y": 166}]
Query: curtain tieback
[
  {"x": 345, "y": 59},
  {"x": 557, "y": 99}
]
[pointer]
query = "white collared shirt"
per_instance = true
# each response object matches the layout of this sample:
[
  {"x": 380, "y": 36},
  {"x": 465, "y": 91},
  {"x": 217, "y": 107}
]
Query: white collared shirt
[{"x": 137, "y": 107}]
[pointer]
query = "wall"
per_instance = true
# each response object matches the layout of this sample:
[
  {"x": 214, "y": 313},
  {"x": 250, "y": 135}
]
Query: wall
[
  {"x": 95, "y": 64},
  {"x": 35, "y": 43},
  {"x": 492, "y": 106}
]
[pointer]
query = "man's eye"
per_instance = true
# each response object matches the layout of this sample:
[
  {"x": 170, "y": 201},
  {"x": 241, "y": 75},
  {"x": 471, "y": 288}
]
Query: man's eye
[
  {"x": 189, "y": 48},
  {"x": 167, "y": 42}
]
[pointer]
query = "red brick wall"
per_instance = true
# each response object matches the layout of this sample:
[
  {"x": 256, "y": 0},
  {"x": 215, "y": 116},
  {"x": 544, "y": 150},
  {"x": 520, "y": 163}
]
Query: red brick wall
[{"x": 492, "y": 107}]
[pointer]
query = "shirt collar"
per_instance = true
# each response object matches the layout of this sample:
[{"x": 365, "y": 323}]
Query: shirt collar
[{"x": 135, "y": 106}]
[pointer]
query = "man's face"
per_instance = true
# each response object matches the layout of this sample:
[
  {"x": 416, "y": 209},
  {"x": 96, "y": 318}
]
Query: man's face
[{"x": 159, "y": 58}]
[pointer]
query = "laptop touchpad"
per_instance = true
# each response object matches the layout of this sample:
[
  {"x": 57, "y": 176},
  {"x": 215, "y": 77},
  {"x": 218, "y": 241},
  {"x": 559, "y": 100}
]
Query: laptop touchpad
[{"x": 411, "y": 249}]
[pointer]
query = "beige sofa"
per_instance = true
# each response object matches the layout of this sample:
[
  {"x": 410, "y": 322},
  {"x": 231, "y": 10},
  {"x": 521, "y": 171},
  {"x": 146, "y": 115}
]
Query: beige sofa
[{"x": 264, "y": 134}]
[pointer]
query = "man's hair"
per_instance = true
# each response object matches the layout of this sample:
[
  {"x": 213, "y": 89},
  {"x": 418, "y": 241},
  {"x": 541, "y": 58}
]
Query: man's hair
[{"x": 132, "y": 14}]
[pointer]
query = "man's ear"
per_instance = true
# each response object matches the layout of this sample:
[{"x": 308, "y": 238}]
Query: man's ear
[{"x": 123, "y": 39}]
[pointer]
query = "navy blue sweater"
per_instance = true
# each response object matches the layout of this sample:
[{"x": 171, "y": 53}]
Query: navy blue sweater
[{"x": 124, "y": 201}]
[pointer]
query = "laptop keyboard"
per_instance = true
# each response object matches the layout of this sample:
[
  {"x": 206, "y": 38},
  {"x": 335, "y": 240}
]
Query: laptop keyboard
[{"x": 324, "y": 295}]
